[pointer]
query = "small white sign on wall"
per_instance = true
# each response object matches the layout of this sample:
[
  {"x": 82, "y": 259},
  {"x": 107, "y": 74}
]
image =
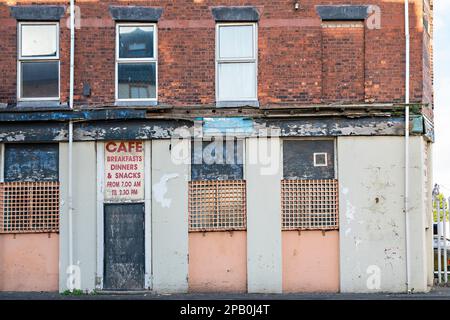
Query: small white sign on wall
[{"x": 124, "y": 171}]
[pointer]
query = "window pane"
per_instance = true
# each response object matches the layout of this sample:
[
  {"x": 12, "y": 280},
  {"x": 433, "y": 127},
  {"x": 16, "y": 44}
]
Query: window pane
[
  {"x": 136, "y": 42},
  {"x": 236, "y": 42},
  {"x": 137, "y": 80},
  {"x": 39, "y": 41},
  {"x": 237, "y": 81},
  {"x": 40, "y": 79}
]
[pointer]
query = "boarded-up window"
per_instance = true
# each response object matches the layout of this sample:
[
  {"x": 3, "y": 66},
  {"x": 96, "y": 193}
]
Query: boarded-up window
[
  {"x": 217, "y": 192},
  {"x": 308, "y": 159},
  {"x": 31, "y": 162},
  {"x": 29, "y": 197},
  {"x": 343, "y": 61},
  {"x": 217, "y": 160},
  {"x": 309, "y": 190}
]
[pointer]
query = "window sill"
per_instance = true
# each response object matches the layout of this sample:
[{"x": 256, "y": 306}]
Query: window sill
[
  {"x": 41, "y": 104},
  {"x": 234, "y": 104},
  {"x": 136, "y": 103}
]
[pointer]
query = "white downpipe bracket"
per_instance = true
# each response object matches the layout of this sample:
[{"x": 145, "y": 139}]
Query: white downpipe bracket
[
  {"x": 407, "y": 90},
  {"x": 70, "y": 149}
]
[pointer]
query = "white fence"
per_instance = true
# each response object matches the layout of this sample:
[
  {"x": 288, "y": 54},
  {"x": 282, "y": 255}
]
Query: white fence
[{"x": 441, "y": 236}]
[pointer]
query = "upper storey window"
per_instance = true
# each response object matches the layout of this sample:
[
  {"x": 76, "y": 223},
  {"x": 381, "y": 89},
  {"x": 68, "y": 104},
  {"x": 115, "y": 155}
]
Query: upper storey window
[
  {"x": 236, "y": 62},
  {"x": 136, "y": 62},
  {"x": 38, "y": 61}
]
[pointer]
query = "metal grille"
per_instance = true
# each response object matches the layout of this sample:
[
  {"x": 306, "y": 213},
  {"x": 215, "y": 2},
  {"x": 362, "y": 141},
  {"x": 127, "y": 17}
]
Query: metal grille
[
  {"x": 217, "y": 205},
  {"x": 309, "y": 204},
  {"x": 29, "y": 207}
]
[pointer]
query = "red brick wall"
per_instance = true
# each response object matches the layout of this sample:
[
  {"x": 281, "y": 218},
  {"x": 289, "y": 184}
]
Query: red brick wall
[
  {"x": 343, "y": 61},
  {"x": 291, "y": 68},
  {"x": 7, "y": 56},
  {"x": 427, "y": 50}
]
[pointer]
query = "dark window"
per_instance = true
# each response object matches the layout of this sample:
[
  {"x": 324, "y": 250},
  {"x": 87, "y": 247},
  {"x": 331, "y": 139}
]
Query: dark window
[
  {"x": 137, "y": 81},
  {"x": 40, "y": 79},
  {"x": 136, "y": 42},
  {"x": 136, "y": 62}
]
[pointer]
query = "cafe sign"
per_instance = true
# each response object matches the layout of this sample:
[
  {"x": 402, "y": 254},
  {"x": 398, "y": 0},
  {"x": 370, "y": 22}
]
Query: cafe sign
[{"x": 124, "y": 171}]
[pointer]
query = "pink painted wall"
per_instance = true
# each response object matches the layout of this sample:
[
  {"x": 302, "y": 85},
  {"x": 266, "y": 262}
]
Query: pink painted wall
[
  {"x": 310, "y": 261},
  {"x": 29, "y": 262},
  {"x": 218, "y": 261}
]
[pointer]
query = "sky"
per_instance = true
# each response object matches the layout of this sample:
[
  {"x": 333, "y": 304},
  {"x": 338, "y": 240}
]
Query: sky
[{"x": 441, "y": 153}]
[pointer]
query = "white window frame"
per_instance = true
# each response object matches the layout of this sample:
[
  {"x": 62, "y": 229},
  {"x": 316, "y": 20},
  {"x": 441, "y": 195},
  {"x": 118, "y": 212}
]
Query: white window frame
[
  {"x": 21, "y": 59},
  {"x": 237, "y": 60},
  {"x": 137, "y": 60},
  {"x": 316, "y": 164}
]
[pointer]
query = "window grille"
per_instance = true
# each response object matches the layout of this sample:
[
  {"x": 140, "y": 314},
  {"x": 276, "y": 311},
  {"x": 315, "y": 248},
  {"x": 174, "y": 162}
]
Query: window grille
[
  {"x": 309, "y": 204},
  {"x": 29, "y": 207},
  {"x": 217, "y": 205}
]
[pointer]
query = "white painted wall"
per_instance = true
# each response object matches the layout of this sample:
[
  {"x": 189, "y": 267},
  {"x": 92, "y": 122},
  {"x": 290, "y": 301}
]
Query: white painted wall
[
  {"x": 169, "y": 219},
  {"x": 418, "y": 216},
  {"x": 372, "y": 221},
  {"x": 84, "y": 213},
  {"x": 264, "y": 265},
  {"x": 429, "y": 231}
]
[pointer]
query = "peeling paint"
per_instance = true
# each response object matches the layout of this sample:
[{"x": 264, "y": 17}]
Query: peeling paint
[
  {"x": 97, "y": 128},
  {"x": 31, "y": 162},
  {"x": 17, "y": 137},
  {"x": 371, "y": 178},
  {"x": 160, "y": 189},
  {"x": 334, "y": 126},
  {"x": 350, "y": 209}
]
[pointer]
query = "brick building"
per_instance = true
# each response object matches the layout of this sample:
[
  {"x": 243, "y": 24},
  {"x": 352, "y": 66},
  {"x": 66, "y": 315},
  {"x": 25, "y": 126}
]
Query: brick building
[{"x": 240, "y": 146}]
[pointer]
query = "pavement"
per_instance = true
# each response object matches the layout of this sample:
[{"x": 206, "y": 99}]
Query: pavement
[{"x": 439, "y": 293}]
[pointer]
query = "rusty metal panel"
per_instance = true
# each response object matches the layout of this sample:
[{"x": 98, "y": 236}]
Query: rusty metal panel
[
  {"x": 31, "y": 162},
  {"x": 29, "y": 207},
  {"x": 310, "y": 204},
  {"x": 124, "y": 260},
  {"x": 217, "y": 205},
  {"x": 301, "y": 159}
]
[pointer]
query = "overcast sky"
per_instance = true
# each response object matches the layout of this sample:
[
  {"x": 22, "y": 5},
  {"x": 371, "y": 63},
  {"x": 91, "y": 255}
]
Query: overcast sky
[{"x": 441, "y": 154}]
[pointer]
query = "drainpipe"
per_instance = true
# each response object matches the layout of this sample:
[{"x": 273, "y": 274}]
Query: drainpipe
[
  {"x": 70, "y": 151},
  {"x": 407, "y": 75}
]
